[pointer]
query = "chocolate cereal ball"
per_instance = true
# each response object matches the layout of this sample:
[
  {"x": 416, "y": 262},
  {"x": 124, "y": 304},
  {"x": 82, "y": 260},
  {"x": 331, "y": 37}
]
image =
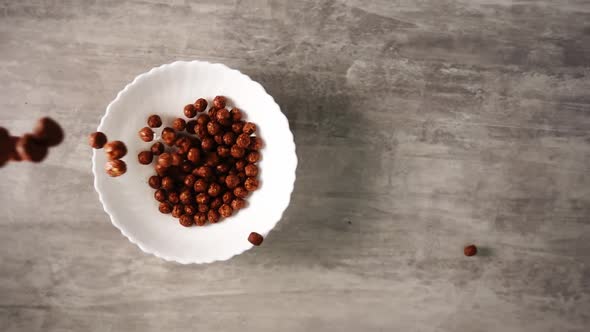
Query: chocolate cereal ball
[
  {"x": 160, "y": 195},
  {"x": 146, "y": 134},
  {"x": 251, "y": 184},
  {"x": 225, "y": 210},
  {"x": 200, "y": 219},
  {"x": 240, "y": 192},
  {"x": 237, "y": 127},
  {"x": 155, "y": 181},
  {"x": 201, "y": 105},
  {"x": 145, "y": 157},
  {"x": 190, "y": 111},
  {"x": 227, "y": 197},
  {"x": 212, "y": 216},
  {"x": 202, "y": 198},
  {"x": 214, "y": 189},
  {"x": 200, "y": 186},
  {"x": 165, "y": 208},
  {"x": 235, "y": 114},
  {"x": 97, "y": 140},
  {"x": 177, "y": 210},
  {"x": 194, "y": 155},
  {"x": 154, "y": 121},
  {"x": 253, "y": 157},
  {"x": 238, "y": 203},
  {"x": 215, "y": 203},
  {"x": 249, "y": 128},
  {"x": 232, "y": 181},
  {"x": 213, "y": 128},
  {"x": 219, "y": 102},
  {"x": 223, "y": 151},
  {"x": 237, "y": 152},
  {"x": 256, "y": 143},
  {"x": 251, "y": 170},
  {"x": 168, "y": 136},
  {"x": 243, "y": 141},
  {"x": 179, "y": 124},
  {"x": 186, "y": 220},
  {"x": 157, "y": 148}
]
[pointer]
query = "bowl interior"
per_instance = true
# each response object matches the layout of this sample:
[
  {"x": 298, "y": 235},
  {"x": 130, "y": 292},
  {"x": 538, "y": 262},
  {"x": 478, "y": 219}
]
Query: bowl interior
[{"x": 129, "y": 200}]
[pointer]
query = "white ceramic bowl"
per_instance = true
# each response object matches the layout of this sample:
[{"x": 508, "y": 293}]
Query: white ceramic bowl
[{"x": 129, "y": 200}]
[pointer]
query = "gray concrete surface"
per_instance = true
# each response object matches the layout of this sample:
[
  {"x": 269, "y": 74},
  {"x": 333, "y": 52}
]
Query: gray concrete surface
[{"x": 421, "y": 126}]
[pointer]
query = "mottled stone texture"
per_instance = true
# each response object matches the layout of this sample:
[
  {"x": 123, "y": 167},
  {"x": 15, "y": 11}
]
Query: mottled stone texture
[{"x": 443, "y": 122}]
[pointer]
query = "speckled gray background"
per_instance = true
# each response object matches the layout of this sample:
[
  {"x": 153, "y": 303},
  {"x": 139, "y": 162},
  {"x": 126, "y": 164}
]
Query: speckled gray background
[{"x": 421, "y": 126}]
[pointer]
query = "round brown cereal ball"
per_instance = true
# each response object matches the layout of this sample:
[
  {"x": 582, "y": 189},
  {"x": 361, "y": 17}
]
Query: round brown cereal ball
[
  {"x": 202, "y": 198},
  {"x": 225, "y": 210},
  {"x": 154, "y": 121},
  {"x": 208, "y": 144},
  {"x": 179, "y": 124},
  {"x": 253, "y": 157},
  {"x": 214, "y": 189},
  {"x": 168, "y": 136},
  {"x": 203, "y": 119},
  {"x": 177, "y": 210},
  {"x": 237, "y": 127},
  {"x": 229, "y": 138},
  {"x": 243, "y": 141},
  {"x": 157, "y": 148},
  {"x": 251, "y": 170},
  {"x": 200, "y": 105},
  {"x": 186, "y": 197},
  {"x": 165, "y": 207},
  {"x": 161, "y": 170},
  {"x": 190, "y": 111},
  {"x": 190, "y": 180},
  {"x": 232, "y": 181},
  {"x": 251, "y": 184},
  {"x": 173, "y": 197},
  {"x": 190, "y": 209},
  {"x": 222, "y": 115},
  {"x": 212, "y": 216},
  {"x": 200, "y": 186},
  {"x": 219, "y": 101},
  {"x": 186, "y": 220},
  {"x": 167, "y": 183},
  {"x": 215, "y": 203},
  {"x": 145, "y": 157},
  {"x": 241, "y": 165},
  {"x": 227, "y": 197},
  {"x": 155, "y": 181},
  {"x": 200, "y": 219},
  {"x": 223, "y": 151},
  {"x": 240, "y": 192},
  {"x": 249, "y": 128},
  {"x": 160, "y": 195},
  {"x": 213, "y": 128},
  {"x": 236, "y": 114},
  {"x": 165, "y": 159},
  {"x": 203, "y": 207},
  {"x": 237, "y": 152},
  {"x": 238, "y": 203},
  {"x": 256, "y": 143},
  {"x": 194, "y": 155}
]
